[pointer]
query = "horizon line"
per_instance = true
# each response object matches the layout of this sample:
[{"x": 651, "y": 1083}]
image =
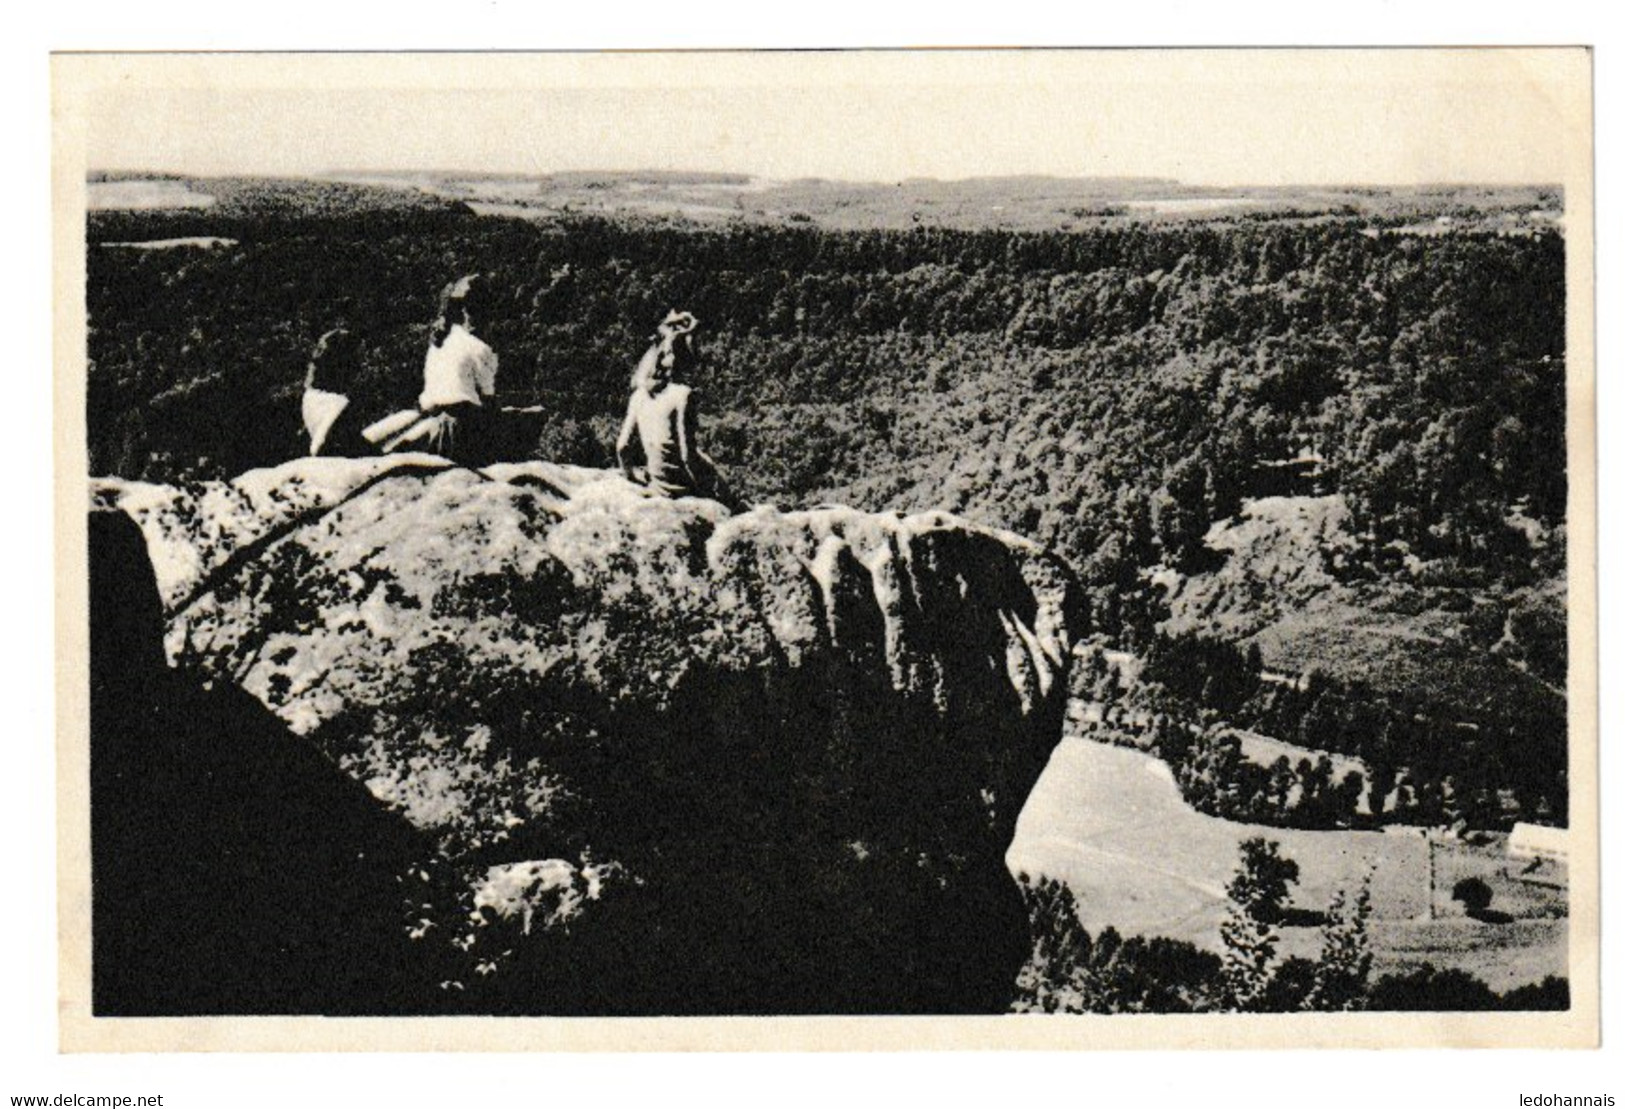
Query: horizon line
[{"x": 652, "y": 172}]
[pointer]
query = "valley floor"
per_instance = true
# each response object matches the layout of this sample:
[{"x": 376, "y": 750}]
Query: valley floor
[{"x": 1109, "y": 822}]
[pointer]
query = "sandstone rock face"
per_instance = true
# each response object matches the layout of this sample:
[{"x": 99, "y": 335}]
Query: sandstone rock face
[
  {"x": 234, "y": 869},
  {"x": 678, "y": 761}
]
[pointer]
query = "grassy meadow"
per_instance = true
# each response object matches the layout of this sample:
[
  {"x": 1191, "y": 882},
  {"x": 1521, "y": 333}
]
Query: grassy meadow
[{"x": 1109, "y": 822}]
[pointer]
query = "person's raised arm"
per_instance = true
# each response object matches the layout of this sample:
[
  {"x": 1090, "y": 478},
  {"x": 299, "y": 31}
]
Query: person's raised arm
[
  {"x": 684, "y": 426},
  {"x": 485, "y": 372}
]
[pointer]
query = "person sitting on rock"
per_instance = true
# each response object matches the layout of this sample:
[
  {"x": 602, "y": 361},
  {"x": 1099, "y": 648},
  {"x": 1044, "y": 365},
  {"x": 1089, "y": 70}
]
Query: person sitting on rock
[
  {"x": 330, "y": 421},
  {"x": 459, "y": 371},
  {"x": 661, "y": 424}
]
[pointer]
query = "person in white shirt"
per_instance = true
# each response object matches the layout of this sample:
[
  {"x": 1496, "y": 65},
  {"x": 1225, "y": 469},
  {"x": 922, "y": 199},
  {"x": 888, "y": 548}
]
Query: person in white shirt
[
  {"x": 459, "y": 372},
  {"x": 460, "y": 368}
]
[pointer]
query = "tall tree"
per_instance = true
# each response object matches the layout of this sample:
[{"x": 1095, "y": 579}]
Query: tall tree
[
  {"x": 1345, "y": 954},
  {"x": 1258, "y": 893}
]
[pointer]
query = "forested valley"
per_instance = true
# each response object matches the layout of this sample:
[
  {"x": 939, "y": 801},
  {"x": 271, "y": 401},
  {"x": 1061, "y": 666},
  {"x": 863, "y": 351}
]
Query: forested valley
[{"x": 1115, "y": 392}]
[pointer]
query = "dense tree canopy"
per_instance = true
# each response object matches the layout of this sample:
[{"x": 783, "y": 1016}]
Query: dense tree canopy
[{"x": 1112, "y": 392}]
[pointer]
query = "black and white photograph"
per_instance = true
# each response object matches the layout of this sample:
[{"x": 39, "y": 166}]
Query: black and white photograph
[{"x": 1068, "y": 548}]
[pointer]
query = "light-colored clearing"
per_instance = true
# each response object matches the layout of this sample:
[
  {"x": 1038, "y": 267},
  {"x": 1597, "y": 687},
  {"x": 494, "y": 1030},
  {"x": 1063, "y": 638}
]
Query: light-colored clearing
[
  {"x": 1110, "y": 823},
  {"x": 145, "y": 194},
  {"x": 204, "y": 241}
]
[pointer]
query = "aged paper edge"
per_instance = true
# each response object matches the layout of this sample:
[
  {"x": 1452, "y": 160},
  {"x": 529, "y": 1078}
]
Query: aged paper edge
[{"x": 1562, "y": 74}]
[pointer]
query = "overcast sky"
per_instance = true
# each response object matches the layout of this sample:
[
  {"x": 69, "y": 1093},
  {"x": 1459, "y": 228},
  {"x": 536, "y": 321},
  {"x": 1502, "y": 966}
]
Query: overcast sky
[{"x": 1226, "y": 117}]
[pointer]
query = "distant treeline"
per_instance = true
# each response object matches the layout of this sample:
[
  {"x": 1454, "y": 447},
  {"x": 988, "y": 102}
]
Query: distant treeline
[{"x": 1427, "y": 762}]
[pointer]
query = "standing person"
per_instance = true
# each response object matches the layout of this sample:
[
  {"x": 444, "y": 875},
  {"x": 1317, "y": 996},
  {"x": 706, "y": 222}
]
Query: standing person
[
  {"x": 330, "y": 419},
  {"x": 459, "y": 372},
  {"x": 661, "y": 423}
]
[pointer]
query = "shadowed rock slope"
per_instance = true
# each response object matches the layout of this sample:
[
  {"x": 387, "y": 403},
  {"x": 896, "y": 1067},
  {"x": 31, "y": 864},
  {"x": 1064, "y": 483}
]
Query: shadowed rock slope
[
  {"x": 234, "y": 869},
  {"x": 670, "y": 760}
]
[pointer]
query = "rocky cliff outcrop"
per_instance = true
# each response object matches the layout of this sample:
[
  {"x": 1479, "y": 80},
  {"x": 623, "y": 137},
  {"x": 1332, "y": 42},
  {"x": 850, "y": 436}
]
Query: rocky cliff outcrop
[
  {"x": 672, "y": 760},
  {"x": 234, "y": 868}
]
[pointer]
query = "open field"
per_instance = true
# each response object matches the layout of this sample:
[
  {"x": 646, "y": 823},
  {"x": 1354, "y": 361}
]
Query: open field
[
  {"x": 1504, "y": 956},
  {"x": 1264, "y": 750},
  {"x": 205, "y": 242},
  {"x": 1521, "y": 888},
  {"x": 1109, "y": 822},
  {"x": 146, "y": 194}
]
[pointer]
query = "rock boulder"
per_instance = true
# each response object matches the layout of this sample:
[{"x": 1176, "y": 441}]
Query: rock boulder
[{"x": 677, "y": 760}]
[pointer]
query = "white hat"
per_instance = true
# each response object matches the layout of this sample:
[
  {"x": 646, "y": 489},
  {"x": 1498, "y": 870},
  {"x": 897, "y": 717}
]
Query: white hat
[{"x": 677, "y": 323}]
